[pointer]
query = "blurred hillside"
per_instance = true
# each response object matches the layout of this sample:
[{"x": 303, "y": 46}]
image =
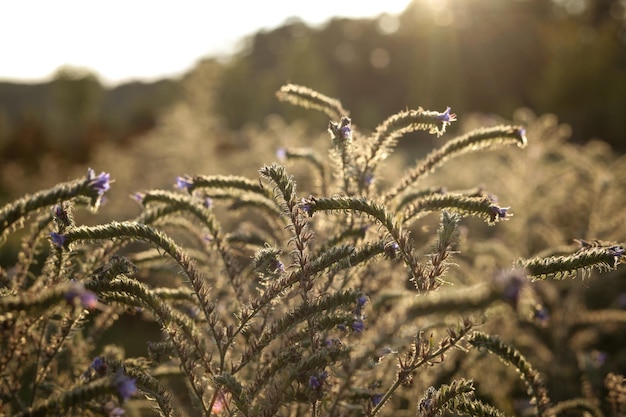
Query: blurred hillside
[{"x": 566, "y": 57}]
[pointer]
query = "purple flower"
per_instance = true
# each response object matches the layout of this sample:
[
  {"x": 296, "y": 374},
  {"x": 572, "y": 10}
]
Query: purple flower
[
  {"x": 446, "y": 117},
  {"x": 61, "y": 214},
  {"x": 346, "y": 132},
  {"x": 511, "y": 283},
  {"x": 358, "y": 326},
  {"x": 616, "y": 250},
  {"x": 184, "y": 183},
  {"x": 99, "y": 366},
  {"x": 497, "y": 212},
  {"x": 281, "y": 154},
  {"x": 207, "y": 202},
  {"x": 391, "y": 250},
  {"x": 314, "y": 382},
  {"x": 306, "y": 206},
  {"x": 341, "y": 327},
  {"x": 58, "y": 239},
  {"x": 376, "y": 399},
  {"x": 138, "y": 197},
  {"x": 124, "y": 385},
  {"x": 361, "y": 300},
  {"x": 88, "y": 299},
  {"x": 100, "y": 183},
  {"x": 111, "y": 409}
]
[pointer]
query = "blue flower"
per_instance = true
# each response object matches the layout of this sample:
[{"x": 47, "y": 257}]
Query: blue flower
[
  {"x": 376, "y": 399},
  {"x": 511, "y": 283},
  {"x": 99, "y": 365},
  {"x": 497, "y": 212},
  {"x": 358, "y": 326},
  {"x": 361, "y": 300},
  {"x": 62, "y": 215},
  {"x": 58, "y": 239},
  {"x": 446, "y": 117},
  {"x": 111, "y": 409},
  {"x": 306, "y": 206},
  {"x": 346, "y": 132},
  {"x": 281, "y": 154},
  {"x": 124, "y": 385},
  {"x": 100, "y": 183},
  {"x": 88, "y": 299},
  {"x": 314, "y": 382},
  {"x": 616, "y": 250},
  {"x": 184, "y": 183}
]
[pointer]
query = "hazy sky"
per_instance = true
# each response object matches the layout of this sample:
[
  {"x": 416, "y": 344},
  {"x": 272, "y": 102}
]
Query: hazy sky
[{"x": 145, "y": 39}]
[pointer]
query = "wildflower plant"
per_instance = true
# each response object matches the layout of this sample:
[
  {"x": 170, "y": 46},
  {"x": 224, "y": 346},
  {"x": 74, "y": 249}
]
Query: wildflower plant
[{"x": 328, "y": 303}]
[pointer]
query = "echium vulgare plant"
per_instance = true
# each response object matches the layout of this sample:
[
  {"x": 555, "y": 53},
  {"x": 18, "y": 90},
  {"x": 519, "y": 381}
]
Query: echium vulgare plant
[{"x": 325, "y": 305}]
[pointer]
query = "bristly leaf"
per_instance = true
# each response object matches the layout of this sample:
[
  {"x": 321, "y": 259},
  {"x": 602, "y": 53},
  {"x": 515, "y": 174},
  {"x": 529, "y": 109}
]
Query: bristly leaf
[
  {"x": 310, "y": 99},
  {"x": 473, "y": 141},
  {"x": 396, "y": 126},
  {"x": 235, "y": 389},
  {"x": 446, "y": 397},
  {"x": 481, "y": 207},
  {"x": 224, "y": 182},
  {"x": 603, "y": 258},
  {"x": 378, "y": 212},
  {"x": 512, "y": 356}
]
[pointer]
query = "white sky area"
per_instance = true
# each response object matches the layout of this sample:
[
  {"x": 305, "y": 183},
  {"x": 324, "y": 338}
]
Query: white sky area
[{"x": 123, "y": 40}]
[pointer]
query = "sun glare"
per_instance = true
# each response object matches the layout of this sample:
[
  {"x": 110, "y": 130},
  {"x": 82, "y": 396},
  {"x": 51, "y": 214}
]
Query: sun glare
[{"x": 122, "y": 40}]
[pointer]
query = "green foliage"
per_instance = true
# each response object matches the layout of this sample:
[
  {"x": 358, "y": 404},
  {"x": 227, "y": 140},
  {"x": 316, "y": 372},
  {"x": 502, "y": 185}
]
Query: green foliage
[{"x": 309, "y": 293}]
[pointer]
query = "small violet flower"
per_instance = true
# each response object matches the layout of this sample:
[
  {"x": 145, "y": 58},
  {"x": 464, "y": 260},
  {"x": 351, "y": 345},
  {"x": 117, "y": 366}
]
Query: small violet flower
[
  {"x": 314, "y": 382},
  {"x": 100, "y": 183},
  {"x": 358, "y": 326},
  {"x": 446, "y": 117},
  {"x": 361, "y": 300},
  {"x": 498, "y": 212},
  {"x": 616, "y": 250},
  {"x": 111, "y": 409},
  {"x": 184, "y": 183},
  {"x": 99, "y": 366},
  {"x": 376, "y": 399},
  {"x": 306, "y": 206},
  {"x": 207, "y": 202},
  {"x": 88, "y": 299},
  {"x": 124, "y": 385},
  {"x": 61, "y": 215},
  {"x": 138, "y": 197},
  {"x": 281, "y": 154},
  {"x": 346, "y": 132},
  {"x": 58, "y": 239},
  {"x": 511, "y": 283},
  {"x": 317, "y": 381}
]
